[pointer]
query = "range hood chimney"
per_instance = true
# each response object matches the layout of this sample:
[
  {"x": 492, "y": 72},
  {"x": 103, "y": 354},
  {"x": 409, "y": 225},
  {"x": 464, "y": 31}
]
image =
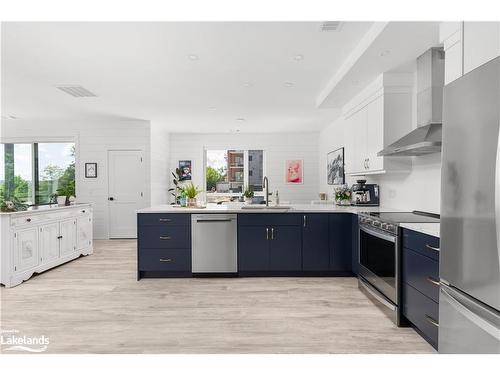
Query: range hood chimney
[{"x": 426, "y": 138}]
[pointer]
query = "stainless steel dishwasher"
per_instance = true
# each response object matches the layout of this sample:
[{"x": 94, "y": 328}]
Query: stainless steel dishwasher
[{"x": 214, "y": 243}]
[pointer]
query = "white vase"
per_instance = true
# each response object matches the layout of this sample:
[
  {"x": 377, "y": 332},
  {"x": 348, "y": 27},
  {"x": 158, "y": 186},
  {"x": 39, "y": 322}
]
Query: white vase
[
  {"x": 61, "y": 200},
  {"x": 248, "y": 200}
]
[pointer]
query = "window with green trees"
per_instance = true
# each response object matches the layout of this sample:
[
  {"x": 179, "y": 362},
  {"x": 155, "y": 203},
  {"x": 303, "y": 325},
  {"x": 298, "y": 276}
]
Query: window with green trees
[{"x": 34, "y": 172}]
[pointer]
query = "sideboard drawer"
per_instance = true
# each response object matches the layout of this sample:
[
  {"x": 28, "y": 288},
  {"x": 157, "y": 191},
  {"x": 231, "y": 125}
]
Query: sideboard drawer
[
  {"x": 422, "y": 273},
  {"x": 178, "y": 260},
  {"x": 164, "y": 219},
  {"x": 165, "y": 237}
]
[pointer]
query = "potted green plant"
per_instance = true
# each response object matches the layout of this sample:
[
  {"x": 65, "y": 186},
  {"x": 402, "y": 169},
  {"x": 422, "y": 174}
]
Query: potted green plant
[
  {"x": 64, "y": 193},
  {"x": 12, "y": 205},
  {"x": 191, "y": 192},
  {"x": 343, "y": 196},
  {"x": 248, "y": 195},
  {"x": 177, "y": 189}
]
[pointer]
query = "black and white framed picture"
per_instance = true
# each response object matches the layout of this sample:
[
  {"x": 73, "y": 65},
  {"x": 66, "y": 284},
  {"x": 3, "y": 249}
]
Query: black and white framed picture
[
  {"x": 335, "y": 167},
  {"x": 90, "y": 170}
]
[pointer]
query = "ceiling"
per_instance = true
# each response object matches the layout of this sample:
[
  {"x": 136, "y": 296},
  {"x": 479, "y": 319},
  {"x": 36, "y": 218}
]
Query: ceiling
[{"x": 187, "y": 76}]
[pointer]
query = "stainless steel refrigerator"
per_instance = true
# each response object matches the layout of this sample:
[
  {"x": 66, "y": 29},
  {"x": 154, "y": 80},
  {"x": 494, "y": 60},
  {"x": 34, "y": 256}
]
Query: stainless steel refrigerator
[{"x": 469, "y": 300}]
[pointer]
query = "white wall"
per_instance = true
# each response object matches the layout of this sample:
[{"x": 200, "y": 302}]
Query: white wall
[
  {"x": 418, "y": 190},
  {"x": 93, "y": 139},
  {"x": 278, "y": 148},
  {"x": 160, "y": 163}
]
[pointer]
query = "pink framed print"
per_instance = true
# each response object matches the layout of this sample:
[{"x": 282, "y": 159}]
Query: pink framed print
[{"x": 294, "y": 172}]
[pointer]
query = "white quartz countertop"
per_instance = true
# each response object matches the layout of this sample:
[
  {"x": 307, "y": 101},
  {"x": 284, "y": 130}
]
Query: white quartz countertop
[
  {"x": 427, "y": 228},
  {"x": 46, "y": 208},
  {"x": 237, "y": 208}
]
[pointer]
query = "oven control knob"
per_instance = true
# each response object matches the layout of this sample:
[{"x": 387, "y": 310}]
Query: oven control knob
[
  {"x": 376, "y": 223},
  {"x": 384, "y": 226},
  {"x": 390, "y": 227}
]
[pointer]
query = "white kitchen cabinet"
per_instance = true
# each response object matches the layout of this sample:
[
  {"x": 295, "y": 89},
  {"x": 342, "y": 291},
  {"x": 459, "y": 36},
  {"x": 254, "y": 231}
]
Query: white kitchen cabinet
[
  {"x": 468, "y": 45},
  {"x": 378, "y": 116},
  {"x": 49, "y": 242},
  {"x": 25, "y": 249},
  {"x": 83, "y": 232},
  {"x": 37, "y": 240},
  {"x": 375, "y": 134},
  {"x": 481, "y": 43},
  {"x": 67, "y": 230}
]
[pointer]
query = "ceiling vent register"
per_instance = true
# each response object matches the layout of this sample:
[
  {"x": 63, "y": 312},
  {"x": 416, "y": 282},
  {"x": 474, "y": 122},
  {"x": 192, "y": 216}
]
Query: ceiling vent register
[{"x": 76, "y": 91}]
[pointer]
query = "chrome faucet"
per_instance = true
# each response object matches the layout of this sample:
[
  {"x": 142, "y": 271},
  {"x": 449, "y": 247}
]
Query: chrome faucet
[{"x": 265, "y": 184}]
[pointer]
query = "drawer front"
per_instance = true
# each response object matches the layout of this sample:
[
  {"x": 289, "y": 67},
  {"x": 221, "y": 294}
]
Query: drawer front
[
  {"x": 421, "y": 311},
  {"x": 165, "y": 237},
  {"x": 165, "y": 260},
  {"x": 43, "y": 216},
  {"x": 164, "y": 219},
  {"x": 422, "y": 273},
  {"x": 421, "y": 243},
  {"x": 269, "y": 219}
]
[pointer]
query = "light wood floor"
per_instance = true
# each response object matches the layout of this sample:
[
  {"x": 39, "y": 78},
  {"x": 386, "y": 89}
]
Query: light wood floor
[{"x": 95, "y": 305}]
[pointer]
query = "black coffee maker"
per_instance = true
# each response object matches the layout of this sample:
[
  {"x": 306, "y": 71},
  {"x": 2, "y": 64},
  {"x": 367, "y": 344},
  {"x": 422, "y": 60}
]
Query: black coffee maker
[{"x": 364, "y": 194}]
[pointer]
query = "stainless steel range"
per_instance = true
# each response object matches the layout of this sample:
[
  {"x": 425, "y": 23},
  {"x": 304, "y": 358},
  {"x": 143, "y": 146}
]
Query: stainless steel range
[{"x": 379, "y": 256}]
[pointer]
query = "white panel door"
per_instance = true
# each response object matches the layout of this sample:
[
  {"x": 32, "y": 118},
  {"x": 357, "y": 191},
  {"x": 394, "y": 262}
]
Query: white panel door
[
  {"x": 49, "y": 242},
  {"x": 83, "y": 232},
  {"x": 67, "y": 234},
  {"x": 26, "y": 249},
  {"x": 126, "y": 186}
]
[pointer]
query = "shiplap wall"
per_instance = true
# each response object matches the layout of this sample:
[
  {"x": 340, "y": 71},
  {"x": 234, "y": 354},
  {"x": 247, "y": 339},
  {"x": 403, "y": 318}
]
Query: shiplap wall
[
  {"x": 278, "y": 148},
  {"x": 94, "y": 139},
  {"x": 160, "y": 173}
]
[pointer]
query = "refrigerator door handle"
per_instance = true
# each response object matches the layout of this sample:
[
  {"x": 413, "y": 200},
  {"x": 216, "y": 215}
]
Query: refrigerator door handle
[{"x": 474, "y": 318}]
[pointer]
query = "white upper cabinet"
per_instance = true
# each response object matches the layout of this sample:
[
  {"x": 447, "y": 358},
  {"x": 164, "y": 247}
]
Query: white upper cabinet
[
  {"x": 468, "y": 45},
  {"x": 378, "y": 116},
  {"x": 481, "y": 43}
]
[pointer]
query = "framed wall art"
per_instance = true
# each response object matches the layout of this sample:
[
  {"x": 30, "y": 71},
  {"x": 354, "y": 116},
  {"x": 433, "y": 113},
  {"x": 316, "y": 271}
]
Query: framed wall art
[
  {"x": 294, "y": 172},
  {"x": 335, "y": 167},
  {"x": 90, "y": 170}
]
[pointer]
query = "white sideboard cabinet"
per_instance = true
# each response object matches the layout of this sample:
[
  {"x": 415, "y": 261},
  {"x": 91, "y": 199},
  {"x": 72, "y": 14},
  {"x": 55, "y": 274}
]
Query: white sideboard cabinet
[{"x": 36, "y": 240}]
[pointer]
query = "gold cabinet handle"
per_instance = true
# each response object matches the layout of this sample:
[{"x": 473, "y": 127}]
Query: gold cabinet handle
[
  {"x": 163, "y": 220},
  {"x": 432, "y": 248},
  {"x": 432, "y": 321},
  {"x": 433, "y": 281},
  {"x": 165, "y": 238},
  {"x": 272, "y": 233},
  {"x": 305, "y": 221},
  {"x": 165, "y": 260},
  {"x": 267, "y": 234}
]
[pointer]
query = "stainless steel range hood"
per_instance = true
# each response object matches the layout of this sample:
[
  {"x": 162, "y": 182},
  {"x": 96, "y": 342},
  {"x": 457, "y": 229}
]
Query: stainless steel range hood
[{"x": 426, "y": 138}]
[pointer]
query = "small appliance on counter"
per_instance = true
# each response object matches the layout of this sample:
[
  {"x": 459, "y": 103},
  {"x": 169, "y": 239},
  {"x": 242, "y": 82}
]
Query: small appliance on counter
[{"x": 364, "y": 194}]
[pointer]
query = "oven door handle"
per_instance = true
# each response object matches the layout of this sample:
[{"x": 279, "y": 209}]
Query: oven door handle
[
  {"x": 375, "y": 295},
  {"x": 383, "y": 236}
]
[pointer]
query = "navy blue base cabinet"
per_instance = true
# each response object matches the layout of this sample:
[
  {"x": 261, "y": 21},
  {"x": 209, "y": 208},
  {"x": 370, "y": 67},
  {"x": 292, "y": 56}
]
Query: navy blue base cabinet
[
  {"x": 269, "y": 244},
  {"x": 313, "y": 244},
  {"x": 420, "y": 283},
  {"x": 163, "y": 245}
]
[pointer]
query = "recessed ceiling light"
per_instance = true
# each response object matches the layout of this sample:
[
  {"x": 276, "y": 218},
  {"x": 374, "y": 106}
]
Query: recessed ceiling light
[
  {"x": 289, "y": 84},
  {"x": 212, "y": 108},
  {"x": 247, "y": 84},
  {"x": 193, "y": 57},
  {"x": 385, "y": 53},
  {"x": 298, "y": 57},
  {"x": 240, "y": 119},
  {"x": 237, "y": 130}
]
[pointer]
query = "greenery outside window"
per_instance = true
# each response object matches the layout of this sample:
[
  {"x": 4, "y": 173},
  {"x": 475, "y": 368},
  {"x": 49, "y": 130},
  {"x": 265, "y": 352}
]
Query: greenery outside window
[{"x": 34, "y": 172}]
